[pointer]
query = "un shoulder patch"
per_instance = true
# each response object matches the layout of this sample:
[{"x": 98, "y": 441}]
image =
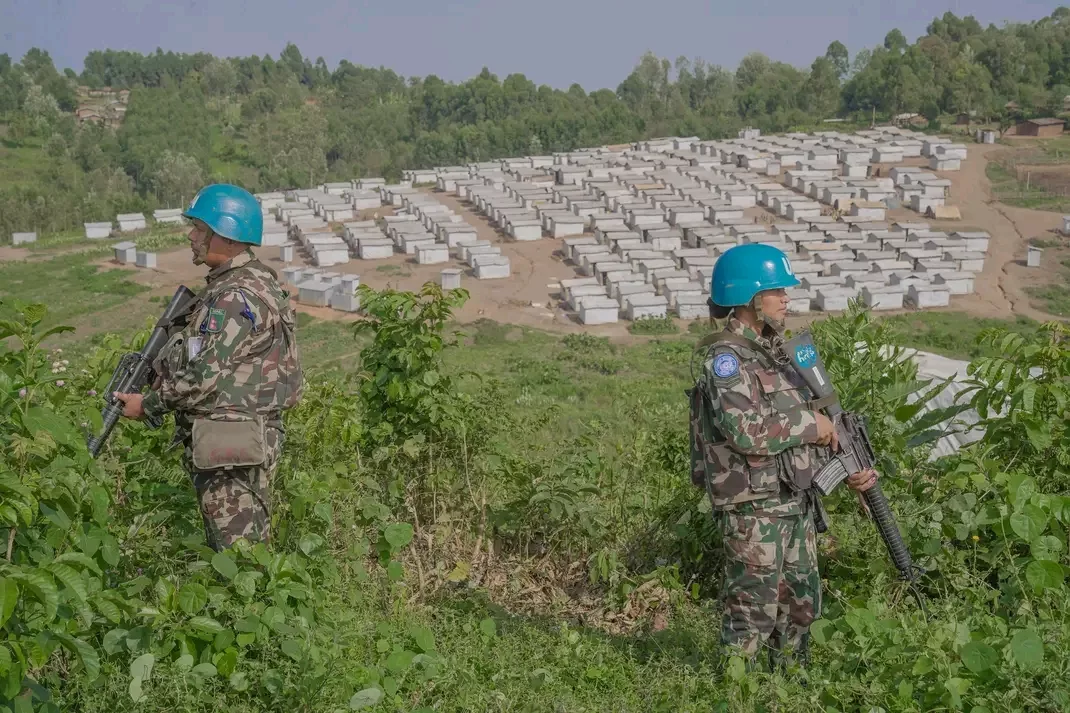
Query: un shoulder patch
[
  {"x": 216, "y": 319},
  {"x": 725, "y": 366}
]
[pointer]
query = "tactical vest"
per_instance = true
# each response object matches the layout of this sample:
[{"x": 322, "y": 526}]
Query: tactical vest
[
  {"x": 277, "y": 369},
  {"x": 731, "y": 477}
]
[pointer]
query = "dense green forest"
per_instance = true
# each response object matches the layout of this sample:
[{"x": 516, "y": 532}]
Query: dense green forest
[{"x": 272, "y": 123}]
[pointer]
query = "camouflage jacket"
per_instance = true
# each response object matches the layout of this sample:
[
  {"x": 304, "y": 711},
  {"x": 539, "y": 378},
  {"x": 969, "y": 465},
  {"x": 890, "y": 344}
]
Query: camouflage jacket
[
  {"x": 757, "y": 428},
  {"x": 234, "y": 355}
]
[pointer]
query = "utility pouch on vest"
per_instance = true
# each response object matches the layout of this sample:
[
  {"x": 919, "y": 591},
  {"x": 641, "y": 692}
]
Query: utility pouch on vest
[{"x": 219, "y": 444}]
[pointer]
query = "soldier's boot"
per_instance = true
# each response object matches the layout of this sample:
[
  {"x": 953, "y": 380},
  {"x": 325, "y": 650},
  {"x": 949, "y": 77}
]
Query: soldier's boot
[{"x": 799, "y": 656}]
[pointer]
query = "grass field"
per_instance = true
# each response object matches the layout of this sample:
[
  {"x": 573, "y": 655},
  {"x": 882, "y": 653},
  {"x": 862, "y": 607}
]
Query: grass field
[{"x": 580, "y": 603}]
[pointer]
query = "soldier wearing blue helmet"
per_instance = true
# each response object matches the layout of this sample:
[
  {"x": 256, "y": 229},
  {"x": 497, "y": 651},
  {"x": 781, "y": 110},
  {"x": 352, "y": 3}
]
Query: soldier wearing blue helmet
[
  {"x": 229, "y": 370},
  {"x": 758, "y": 438}
]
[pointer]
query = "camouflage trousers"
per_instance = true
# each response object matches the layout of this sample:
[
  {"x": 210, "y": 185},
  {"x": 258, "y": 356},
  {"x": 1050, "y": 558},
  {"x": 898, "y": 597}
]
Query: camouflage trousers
[
  {"x": 772, "y": 587},
  {"x": 236, "y": 502}
]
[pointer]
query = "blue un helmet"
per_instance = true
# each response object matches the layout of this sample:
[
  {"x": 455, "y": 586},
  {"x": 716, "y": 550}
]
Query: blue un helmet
[
  {"x": 229, "y": 211},
  {"x": 745, "y": 270}
]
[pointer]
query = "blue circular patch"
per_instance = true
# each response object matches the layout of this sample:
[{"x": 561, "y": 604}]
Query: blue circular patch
[
  {"x": 725, "y": 365},
  {"x": 806, "y": 356}
]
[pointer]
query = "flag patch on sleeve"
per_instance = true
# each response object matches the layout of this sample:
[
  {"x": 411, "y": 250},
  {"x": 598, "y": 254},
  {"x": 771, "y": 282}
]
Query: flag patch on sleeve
[{"x": 215, "y": 321}]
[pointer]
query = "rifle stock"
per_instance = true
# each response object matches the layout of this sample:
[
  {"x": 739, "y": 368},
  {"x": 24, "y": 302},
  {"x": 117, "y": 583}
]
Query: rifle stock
[{"x": 135, "y": 371}]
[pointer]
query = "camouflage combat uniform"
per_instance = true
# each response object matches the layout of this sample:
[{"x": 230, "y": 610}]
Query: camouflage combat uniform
[
  {"x": 228, "y": 371},
  {"x": 757, "y": 432}
]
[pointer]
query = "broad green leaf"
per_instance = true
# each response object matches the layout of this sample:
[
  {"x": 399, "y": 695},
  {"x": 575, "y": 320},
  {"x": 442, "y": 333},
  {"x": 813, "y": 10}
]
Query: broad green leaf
[
  {"x": 79, "y": 558},
  {"x": 957, "y": 687},
  {"x": 109, "y": 609},
  {"x": 41, "y": 586},
  {"x": 922, "y": 666},
  {"x": 309, "y": 543},
  {"x": 1029, "y": 394},
  {"x": 1046, "y": 547},
  {"x": 822, "y": 630},
  {"x": 136, "y": 694},
  {"x": 1021, "y": 489},
  {"x": 399, "y": 661},
  {"x": 368, "y": 698},
  {"x": 85, "y": 652},
  {"x": 100, "y": 500},
  {"x": 398, "y": 534},
  {"x": 192, "y": 598},
  {"x": 248, "y": 624},
  {"x": 736, "y": 669},
  {"x": 222, "y": 640},
  {"x": 70, "y": 579},
  {"x": 1039, "y": 436},
  {"x": 979, "y": 657},
  {"x": 9, "y": 597},
  {"x": 239, "y": 681},
  {"x": 395, "y": 571},
  {"x": 114, "y": 641},
  {"x": 1043, "y": 574},
  {"x": 272, "y": 617},
  {"x": 908, "y": 411},
  {"x": 38, "y": 419},
  {"x": 165, "y": 593},
  {"x": 245, "y": 583},
  {"x": 488, "y": 627},
  {"x": 424, "y": 638},
  {"x": 224, "y": 565},
  {"x": 185, "y": 662},
  {"x": 206, "y": 625},
  {"x": 205, "y": 670},
  {"x": 109, "y": 550},
  {"x": 141, "y": 667},
  {"x": 1029, "y": 523},
  {"x": 1027, "y": 648},
  {"x": 293, "y": 649},
  {"x": 55, "y": 515},
  {"x": 226, "y": 662}
]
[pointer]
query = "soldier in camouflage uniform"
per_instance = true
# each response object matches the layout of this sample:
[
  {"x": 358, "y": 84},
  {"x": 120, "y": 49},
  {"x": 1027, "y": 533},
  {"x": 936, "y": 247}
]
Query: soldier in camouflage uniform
[
  {"x": 757, "y": 441},
  {"x": 229, "y": 370}
]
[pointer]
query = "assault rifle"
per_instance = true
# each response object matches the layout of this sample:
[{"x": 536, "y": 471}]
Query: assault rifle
[
  {"x": 855, "y": 454},
  {"x": 135, "y": 370}
]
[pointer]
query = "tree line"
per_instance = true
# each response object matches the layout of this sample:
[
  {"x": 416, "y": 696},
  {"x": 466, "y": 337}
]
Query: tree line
[{"x": 292, "y": 121}]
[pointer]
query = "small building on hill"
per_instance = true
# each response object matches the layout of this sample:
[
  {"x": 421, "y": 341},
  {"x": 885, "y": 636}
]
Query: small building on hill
[{"x": 1039, "y": 127}]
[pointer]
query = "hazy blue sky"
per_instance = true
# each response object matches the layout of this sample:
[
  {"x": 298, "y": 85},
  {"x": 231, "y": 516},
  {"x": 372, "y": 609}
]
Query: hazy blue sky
[{"x": 556, "y": 42}]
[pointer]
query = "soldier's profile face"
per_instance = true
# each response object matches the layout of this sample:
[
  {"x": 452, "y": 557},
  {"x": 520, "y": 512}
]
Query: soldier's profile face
[
  {"x": 775, "y": 304},
  {"x": 198, "y": 240}
]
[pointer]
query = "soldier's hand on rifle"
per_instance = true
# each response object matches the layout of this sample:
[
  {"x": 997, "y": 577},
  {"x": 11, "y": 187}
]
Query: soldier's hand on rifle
[
  {"x": 861, "y": 482},
  {"x": 132, "y": 407},
  {"x": 826, "y": 432}
]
